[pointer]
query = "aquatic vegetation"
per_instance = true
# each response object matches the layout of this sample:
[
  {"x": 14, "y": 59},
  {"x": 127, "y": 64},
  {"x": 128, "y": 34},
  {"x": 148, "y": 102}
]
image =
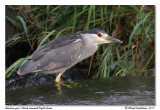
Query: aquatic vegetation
[{"x": 134, "y": 25}]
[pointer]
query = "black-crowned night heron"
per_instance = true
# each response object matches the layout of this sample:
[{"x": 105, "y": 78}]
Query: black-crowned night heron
[{"x": 62, "y": 53}]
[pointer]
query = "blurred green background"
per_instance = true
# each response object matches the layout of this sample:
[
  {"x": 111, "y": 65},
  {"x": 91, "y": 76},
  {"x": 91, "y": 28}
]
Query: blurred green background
[{"x": 28, "y": 27}]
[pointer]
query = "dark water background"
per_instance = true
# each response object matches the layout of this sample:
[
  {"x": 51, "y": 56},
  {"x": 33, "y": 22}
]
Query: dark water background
[{"x": 110, "y": 91}]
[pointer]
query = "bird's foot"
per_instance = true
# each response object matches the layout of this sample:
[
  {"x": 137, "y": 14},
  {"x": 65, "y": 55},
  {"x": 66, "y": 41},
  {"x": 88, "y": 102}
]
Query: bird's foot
[
  {"x": 58, "y": 80},
  {"x": 58, "y": 85}
]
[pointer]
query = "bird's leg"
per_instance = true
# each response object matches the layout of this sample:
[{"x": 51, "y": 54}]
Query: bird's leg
[
  {"x": 58, "y": 78},
  {"x": 58, "y": 82}
]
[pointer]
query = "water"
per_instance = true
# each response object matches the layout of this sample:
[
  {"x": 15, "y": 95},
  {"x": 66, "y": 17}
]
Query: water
[{"x": 110, "y": 91}]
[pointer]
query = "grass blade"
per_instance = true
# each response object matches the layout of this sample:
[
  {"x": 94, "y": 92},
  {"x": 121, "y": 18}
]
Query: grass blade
[
  {"x": 111, "y": 17},
  {"x": 74, "y": 20},
  {"x": 15, "y": 24},
  {"x": 89, "y": 16},
  {"x": 94, "y": 15},
  {"x": 145, "y": 18},
  {"x": 102, "y": 16},
  {"x": 134, "y": 32},
  {"x": 10, "y": 70},
  {"x": 25, "y": 28},
  {"x": 136, "y": 8},
  {"x": 9, "y": 40},
  {"x": 45, "y": 38},
  {"x": 148, "y": 59}
]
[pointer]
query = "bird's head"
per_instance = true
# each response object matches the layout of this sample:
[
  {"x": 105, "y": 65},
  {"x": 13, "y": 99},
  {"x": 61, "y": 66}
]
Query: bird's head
[{"x": 101, "y": 36}]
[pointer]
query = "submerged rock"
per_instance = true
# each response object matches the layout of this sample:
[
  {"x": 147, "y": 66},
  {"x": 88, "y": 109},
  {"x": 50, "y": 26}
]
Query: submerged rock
[{"x": 32, "y": 79}]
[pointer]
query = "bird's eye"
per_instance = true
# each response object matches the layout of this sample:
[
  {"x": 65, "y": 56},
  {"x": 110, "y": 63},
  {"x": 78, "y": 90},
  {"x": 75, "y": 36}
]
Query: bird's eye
[{"x": 99, "y": 34}]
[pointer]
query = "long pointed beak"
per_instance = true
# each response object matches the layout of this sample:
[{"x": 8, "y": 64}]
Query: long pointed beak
[{"x": 112, "y": 39}]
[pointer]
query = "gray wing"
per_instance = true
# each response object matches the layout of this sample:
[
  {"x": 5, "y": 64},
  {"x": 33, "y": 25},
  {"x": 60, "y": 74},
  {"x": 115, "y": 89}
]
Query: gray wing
[
  {"x": 56, "y": 43},
  {"x": 60, "y": 57},
  {"x": 54, "y": 59}
]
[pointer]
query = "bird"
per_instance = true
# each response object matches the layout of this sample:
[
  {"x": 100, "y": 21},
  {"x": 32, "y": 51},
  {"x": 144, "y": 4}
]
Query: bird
[{"x": 62, "y": 53}]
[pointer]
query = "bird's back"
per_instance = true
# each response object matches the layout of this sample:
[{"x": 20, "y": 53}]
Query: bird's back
[
  {"x": 57, "y": 53},
  {"x": 54, "y": 44}
]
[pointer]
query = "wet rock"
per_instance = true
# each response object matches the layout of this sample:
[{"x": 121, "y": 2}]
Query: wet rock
[{"x": 33, "y": 79}]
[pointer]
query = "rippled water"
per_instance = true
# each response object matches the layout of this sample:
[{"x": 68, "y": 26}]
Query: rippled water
[{"x": 110, "y": 91}]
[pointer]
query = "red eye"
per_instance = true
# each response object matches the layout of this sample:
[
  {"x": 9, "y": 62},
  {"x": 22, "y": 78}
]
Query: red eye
[{"x": 99, "y": 34}]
